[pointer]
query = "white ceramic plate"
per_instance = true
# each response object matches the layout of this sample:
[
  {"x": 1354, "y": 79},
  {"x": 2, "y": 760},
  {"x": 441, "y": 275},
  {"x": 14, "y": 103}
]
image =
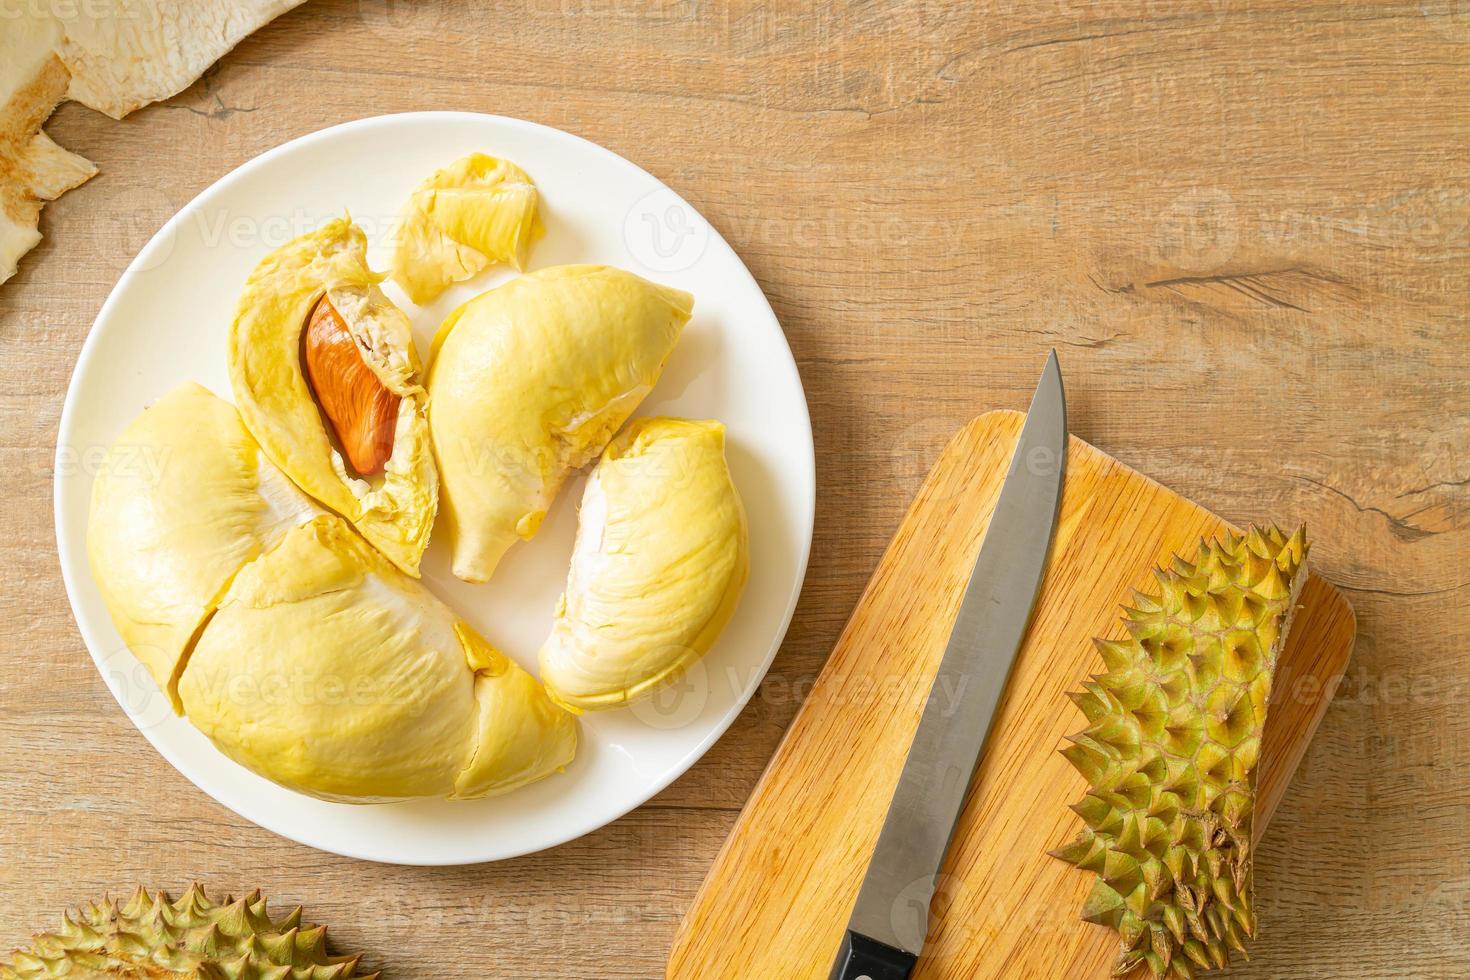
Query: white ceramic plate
[{"x": 166, "y": 322}]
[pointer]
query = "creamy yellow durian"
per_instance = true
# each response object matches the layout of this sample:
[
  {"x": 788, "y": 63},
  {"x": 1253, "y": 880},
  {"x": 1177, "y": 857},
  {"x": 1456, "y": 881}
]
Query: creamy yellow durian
[
  {"x": 660, "y": 560},
  {"x": 330, "y": 672},
  {"x": 182, "y": 501},
  {"x": 527, "y": 382},
  {"x": 394, "y": 509},
  {"x": 474, "y": 213}
]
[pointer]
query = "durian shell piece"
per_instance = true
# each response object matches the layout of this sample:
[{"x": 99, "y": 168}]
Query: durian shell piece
[
  {"x": 395, "y": 510},
  {"x": 152, "y": 936},
  {"x": 33, "y": 169},
  {"x": 528, "y": 382},
  {"x": 181, "y": 502},
  {"x": 660, "y": 561},
  {"x": 1170, "y": 753},
  {"x": 122, "y": 54},
  {"x": 474, "y": 213},
  {"x": 330, "y": 672}
]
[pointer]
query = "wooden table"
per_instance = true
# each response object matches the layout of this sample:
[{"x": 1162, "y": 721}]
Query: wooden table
[{"x": 1245, "y": 224}]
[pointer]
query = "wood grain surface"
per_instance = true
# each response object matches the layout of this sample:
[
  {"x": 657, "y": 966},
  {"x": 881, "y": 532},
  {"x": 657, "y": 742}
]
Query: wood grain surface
[
  {"x": 1244, "y": 223},
  {"x": 777, "y": 900}
]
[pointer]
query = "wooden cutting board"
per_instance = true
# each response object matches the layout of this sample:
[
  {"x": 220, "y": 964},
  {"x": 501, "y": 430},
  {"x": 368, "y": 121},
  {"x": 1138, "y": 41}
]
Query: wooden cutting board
[{"x": 776, "y": 902}]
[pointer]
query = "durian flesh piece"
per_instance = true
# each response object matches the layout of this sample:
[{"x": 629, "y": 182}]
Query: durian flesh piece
[
  {"x": 395, "y": 509},
  {"x": 659, "y": 564},
  {"x": 1170, "y": 753},
  {"x": 474, "y": 213},
  {"x": 298, "y": 648},
  {"x": 528, "y": 382},
  {"x": 183, "y": 499},
  {"x": 194, "y": 938},
  {"x": 327, "y": 670}
]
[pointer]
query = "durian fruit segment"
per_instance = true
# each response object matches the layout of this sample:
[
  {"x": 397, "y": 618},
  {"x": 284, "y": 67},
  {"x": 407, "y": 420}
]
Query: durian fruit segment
[
  {"x": 330, "y": 672},
  {"x": 1170, "y": 753},
  {"x": 182, "y": 501},
  {"x": 528, "y": 382},
  {"x": 395, "y": 509},
  {"x": 153, "y": 936},
  {"x": 474, "y": 213},
  {"x": 521, "y": 735},
  {"x": 659, "y": 564}
]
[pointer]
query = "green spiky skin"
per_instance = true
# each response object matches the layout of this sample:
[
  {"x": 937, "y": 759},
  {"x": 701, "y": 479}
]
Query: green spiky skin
[
  {"x": 153, "y": 937},
  {"x": 1170, "y": 752}
]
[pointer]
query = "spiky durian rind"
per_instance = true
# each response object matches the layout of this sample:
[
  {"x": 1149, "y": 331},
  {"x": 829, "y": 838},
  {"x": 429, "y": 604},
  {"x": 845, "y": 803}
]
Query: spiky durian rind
[
  {"x": 152, "y": 936},
  {"x": 1170, "y": 752}
]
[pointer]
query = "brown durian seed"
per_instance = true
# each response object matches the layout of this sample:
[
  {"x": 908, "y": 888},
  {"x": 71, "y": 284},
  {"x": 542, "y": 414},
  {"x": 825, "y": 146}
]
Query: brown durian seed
[{"x": 360, "y": 409}]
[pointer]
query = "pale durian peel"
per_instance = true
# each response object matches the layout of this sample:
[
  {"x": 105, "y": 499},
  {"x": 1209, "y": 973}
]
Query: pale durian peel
[{"x": 111, "y": 55}]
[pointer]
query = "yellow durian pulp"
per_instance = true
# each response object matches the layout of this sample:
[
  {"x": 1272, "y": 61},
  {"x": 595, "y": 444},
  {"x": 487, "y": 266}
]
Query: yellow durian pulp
[
  {"x": 474, "y": 213},
  {"x": 528, "y": 382},
  {"x": 297, "y": 647},
  {"x": 395, "y": 509},
  {"x": 659, "y": 564},
  {"x": 330, "y": 672},
  {"x": 183, "y": 499}
]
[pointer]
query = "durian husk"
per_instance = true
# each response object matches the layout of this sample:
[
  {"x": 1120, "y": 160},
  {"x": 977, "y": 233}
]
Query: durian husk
[
  {"x": 1171, "y": 749},
  {"x": 112, "y": 55},
  {"x": 152, "y": 936},
  {"x": 33, "y": 169}
]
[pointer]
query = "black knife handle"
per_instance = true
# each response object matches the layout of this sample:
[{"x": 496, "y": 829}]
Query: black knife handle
[{"x": 861, "y": 958}]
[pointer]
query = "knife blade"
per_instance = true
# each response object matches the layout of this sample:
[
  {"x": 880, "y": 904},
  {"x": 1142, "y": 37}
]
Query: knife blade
[{"x": 886, "y": 930}]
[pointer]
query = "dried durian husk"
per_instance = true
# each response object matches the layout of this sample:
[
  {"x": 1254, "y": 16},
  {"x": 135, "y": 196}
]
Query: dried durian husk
[
  {"x": 125, "y": 54},
  {"x": 112, "y": 55},
  {"x": 33, "y": 169}
]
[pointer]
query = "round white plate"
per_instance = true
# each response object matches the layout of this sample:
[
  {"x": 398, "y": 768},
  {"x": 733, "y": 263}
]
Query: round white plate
[{"x": 166, "y": 322}]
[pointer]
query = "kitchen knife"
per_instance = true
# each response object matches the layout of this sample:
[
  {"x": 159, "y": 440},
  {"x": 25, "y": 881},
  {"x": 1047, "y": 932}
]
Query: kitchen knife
[{"x": 891, "y": 918}]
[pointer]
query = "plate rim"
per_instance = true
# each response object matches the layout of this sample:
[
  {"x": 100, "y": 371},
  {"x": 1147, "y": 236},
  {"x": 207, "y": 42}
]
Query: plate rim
[{"x": 67, "y": 556}]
